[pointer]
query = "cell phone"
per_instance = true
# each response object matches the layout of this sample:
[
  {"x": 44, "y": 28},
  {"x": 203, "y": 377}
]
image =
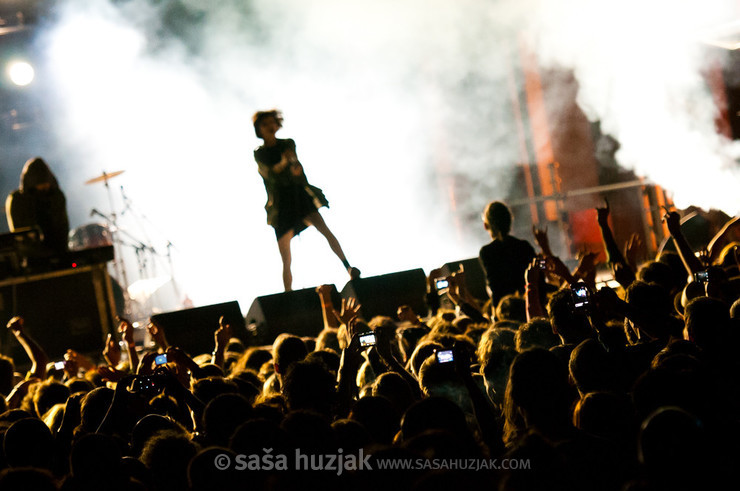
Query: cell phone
[
  {"x": 147, "y": 384},
  {"x": 702, "y": 276},
  {"x": 581, "y": 297},
  {"x": 367, "y": 339},
  {"x": 445, "y": 356},
  {"x": 160, "y": 359},
  {"x": 59, "y": 365},
  {"x": 542, "y": 263},
  {"x": 441, "y": 283}
]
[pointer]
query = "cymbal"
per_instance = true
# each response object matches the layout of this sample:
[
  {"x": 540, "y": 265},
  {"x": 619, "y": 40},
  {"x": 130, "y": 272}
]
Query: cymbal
[{"x": 105, "y": 177}]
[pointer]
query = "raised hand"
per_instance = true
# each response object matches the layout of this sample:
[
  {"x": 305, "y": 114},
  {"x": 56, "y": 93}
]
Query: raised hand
[
  {"x": 112, "y": 351},
  {"x": 632, "y": 250},
  {"x": 349, "y": 310},
  {"x": 542, "y": 239},
  {"x": 602, "y": 213},
  {"x": 16, "y": 324},
  {"x": 157, "y": 334},
  {"x": 673, "y": 221},
  {"x": 223, "y": 333},
  {"x": 127, "y": 331}
]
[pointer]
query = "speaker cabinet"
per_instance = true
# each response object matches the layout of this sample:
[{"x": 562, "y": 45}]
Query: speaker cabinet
[
  {"x": 382, "y": 295},
  {"x": 192, "y": 329},
  {"x": 67, "y": 309},
  {"x": 475, "y": 276},
  {"x": 296, "y": 312}
]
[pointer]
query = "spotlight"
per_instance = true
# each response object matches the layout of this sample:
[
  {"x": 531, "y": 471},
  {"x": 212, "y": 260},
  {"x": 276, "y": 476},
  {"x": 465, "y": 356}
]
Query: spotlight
[{"x": 21, "y": 73}]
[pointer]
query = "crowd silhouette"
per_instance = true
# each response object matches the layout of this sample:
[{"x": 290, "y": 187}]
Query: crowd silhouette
[{"x": 633, "y": 386}]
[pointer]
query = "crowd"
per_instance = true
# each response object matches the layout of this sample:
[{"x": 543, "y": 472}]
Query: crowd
[{"x": 630, "y": 387}]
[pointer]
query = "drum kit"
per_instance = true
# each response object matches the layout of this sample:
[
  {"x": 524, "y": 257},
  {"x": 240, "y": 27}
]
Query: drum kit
[{"x": 137, "y": 296}]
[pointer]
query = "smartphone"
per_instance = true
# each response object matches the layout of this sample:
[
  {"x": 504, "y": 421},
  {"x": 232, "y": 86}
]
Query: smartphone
[
  {"x": 160, "y": 359},
  {"x": 59, "y": 365},
  {"x": 441, "y": 283},
  {"x": 581, "y": 298},
  {"x": 445, "y": 356},
  {"x": 367, "y": 339},
  {"x": 147, "y": 384},
  {"x": 702, "y": 276}
]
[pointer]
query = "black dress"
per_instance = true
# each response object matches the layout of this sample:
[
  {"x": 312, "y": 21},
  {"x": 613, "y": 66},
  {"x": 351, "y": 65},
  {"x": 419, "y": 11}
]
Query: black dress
[{"x": 290, "y": 198}]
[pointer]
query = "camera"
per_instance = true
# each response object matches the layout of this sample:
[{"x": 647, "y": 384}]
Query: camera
[
  {"x": 702, "y": 276},
  {"x": 441, "y": 283},
  {"x": 160, "y": 359},
  {"x": 581, "y": 297},
  {"x": 445, "y": 356},
  {"x": 367, "y": 339},
  {"x": 59, "y": 365},
  {"x": 542, "y": 263},
  {"x": 151, "y": 384}
]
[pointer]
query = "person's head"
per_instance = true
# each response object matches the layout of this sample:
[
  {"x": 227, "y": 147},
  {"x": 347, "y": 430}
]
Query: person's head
[
  {"x": 537, "y": 395},
  {"x": 328, "y": 338},
  {"x": 94, "y": 407},
  {"x": 29, "y": 443},
  {"x": 536, "y": 333},
  {"x": 572, "y": 327},
  {"x": 223, "y": 415},
  {"x": 309, "y": 386},
  {"x": 707, "y": 322},
  {"x": 395, "y": 388},
  {"x": 36, "y": 176},
  {"x": 207, "y": 389},
  {"x": 512, "y": 308},
  {"x": 204, "y": 476},
  {"x": 287, "y": 350},
  {"x": 671, "y": 443},
  {"x": 433, "y": 413},
  {"x": 167, "y": 456},
  {"x": 378, "y": 416},
  {"x": 591, "y": 368},
  {"x": 497, "y": 218},
  {"x": 48, "y": 394},
  {"x": 269, "y": 121},
  {"x": 147, "y": 427}
]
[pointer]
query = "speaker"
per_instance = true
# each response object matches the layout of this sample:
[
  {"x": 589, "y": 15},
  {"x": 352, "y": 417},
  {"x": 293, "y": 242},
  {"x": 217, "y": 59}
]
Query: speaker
[
  {"x": 67, "y": 309},
  {"x": 192, "y": 329},
  {"x": 475, "y": 276},
  {"x": 382, "y": 295},
  {"x": 296, "y": 312}
]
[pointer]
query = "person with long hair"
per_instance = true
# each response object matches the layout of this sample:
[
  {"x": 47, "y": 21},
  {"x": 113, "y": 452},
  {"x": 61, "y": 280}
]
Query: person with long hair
[{"x": 292, "y": 203}]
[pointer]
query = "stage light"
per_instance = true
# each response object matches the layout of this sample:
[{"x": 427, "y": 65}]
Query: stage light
[{"x": 21, "y": 73}]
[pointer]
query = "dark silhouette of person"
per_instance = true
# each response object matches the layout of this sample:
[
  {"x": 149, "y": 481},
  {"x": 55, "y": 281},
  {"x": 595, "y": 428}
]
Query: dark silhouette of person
[
  {"x": 38, "y": 202},
  {"x": 292, "y": 203},
  {"x": 506, "y": 258}
]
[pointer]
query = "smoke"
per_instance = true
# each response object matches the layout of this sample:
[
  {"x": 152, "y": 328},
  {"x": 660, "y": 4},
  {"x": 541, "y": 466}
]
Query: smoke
[{"x": 391, "y": 103}]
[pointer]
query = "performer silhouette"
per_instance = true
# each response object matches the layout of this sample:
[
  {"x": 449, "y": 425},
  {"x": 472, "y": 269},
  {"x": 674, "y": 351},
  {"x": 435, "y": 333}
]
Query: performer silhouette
[{"x": 292, "y": 203}]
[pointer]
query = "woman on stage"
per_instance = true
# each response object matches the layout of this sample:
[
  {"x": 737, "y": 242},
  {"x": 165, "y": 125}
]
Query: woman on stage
[{"x": 292, "y": 203}]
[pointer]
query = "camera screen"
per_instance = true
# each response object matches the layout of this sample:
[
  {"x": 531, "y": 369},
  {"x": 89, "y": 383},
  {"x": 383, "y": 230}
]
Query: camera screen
[
  {"x": 59, "y": 365},
  {"x": 442, "y": 283},
  {"x": 445, "y": 356},
  {"x": 160, "y": 359},
  {"x": 580, "y": 296},
  {"x": 367, "y": 339}
]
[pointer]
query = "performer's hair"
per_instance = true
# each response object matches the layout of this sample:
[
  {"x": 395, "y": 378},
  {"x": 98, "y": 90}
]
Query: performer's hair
[{"x": 260, "y": 115}]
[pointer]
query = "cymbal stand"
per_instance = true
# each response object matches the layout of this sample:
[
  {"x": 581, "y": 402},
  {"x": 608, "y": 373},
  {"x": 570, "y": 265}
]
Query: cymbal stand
[{"x": 118, "y": 264}]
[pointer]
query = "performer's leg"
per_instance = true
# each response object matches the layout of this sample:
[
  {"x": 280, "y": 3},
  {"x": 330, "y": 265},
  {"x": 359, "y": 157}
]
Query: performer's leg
[
  {"x": 284, "y": 246},
  {"x": 317, "y": 221}
]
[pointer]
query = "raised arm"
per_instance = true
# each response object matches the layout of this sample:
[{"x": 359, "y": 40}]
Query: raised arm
[
  {"x": 690, "y": 261},
  {"x": 723, "y": 237},
  {"x": 35, "y": 352},
  {"x": 327, "y": 307},
  {"x": 622, "y": 271}
]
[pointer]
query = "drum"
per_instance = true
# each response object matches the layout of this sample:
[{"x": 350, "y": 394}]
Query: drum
[{"x": 90, "y": 235}]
